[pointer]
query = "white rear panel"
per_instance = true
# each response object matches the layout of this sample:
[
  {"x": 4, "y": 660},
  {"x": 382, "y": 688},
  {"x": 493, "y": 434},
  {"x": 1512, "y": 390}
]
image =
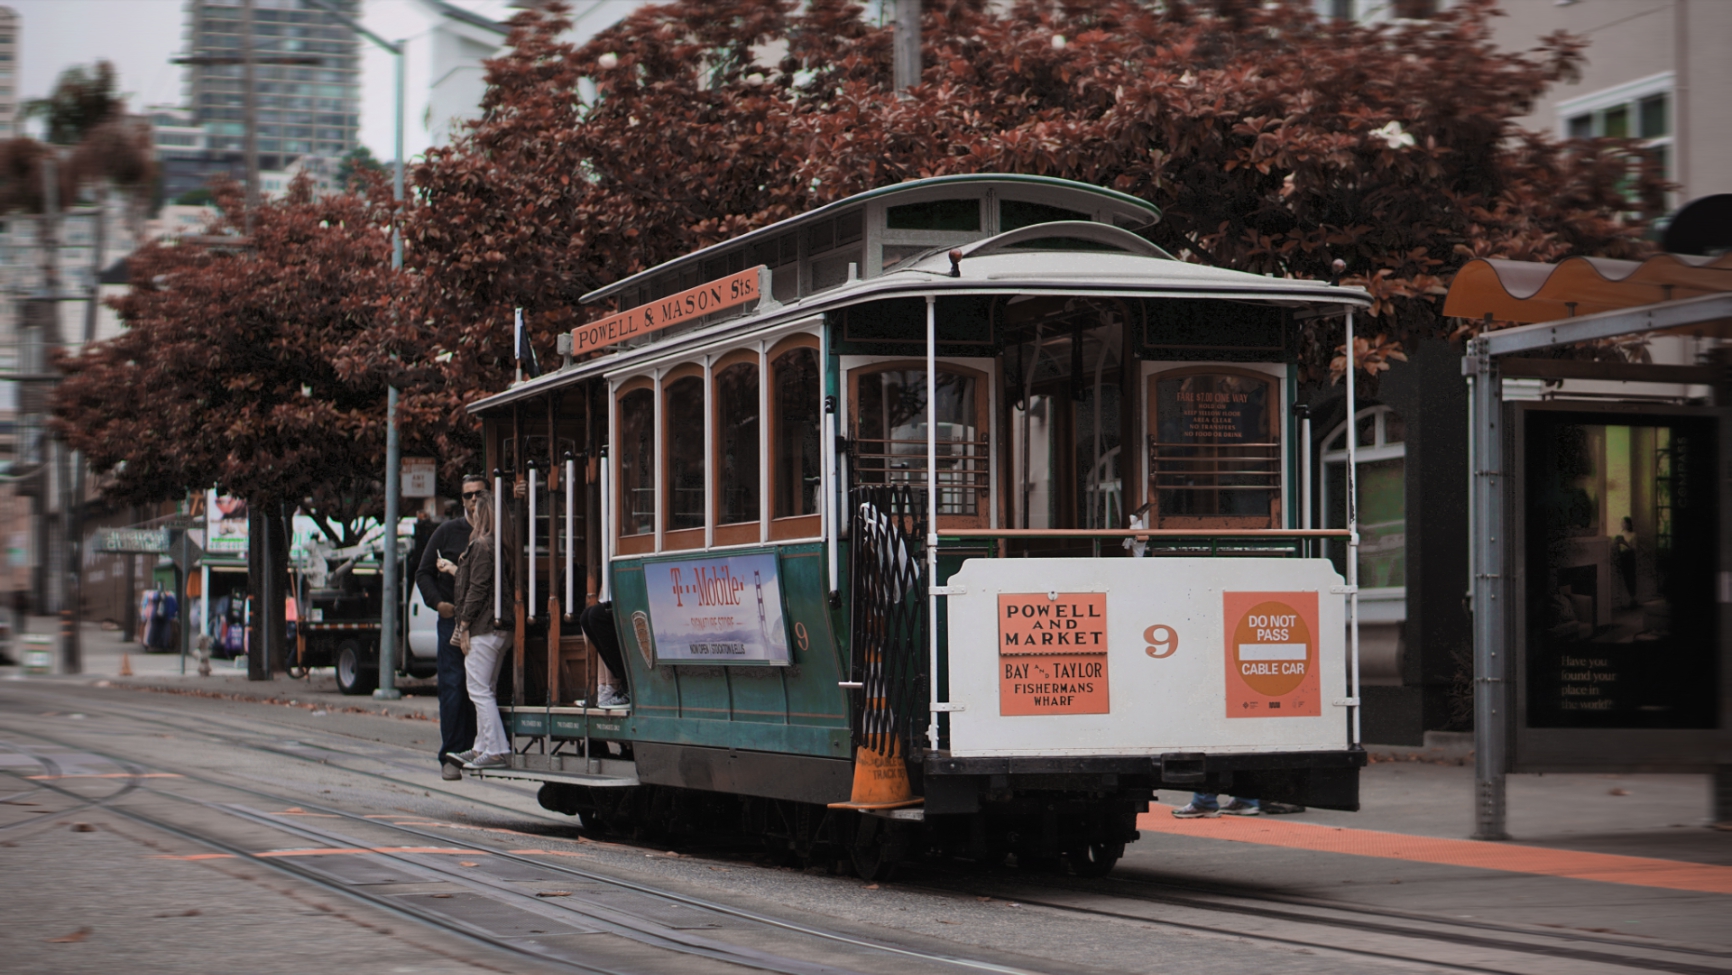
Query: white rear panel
[{"x": 1128, "y": 656}]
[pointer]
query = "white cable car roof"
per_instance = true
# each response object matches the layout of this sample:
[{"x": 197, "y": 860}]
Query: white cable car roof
[{"x": 1010, "y": 263}]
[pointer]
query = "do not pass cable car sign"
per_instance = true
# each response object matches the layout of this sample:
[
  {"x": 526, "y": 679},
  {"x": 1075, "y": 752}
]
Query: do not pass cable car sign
[
  {"x": 1272, "y": 654},
  {"x": 705, "y": 299}
]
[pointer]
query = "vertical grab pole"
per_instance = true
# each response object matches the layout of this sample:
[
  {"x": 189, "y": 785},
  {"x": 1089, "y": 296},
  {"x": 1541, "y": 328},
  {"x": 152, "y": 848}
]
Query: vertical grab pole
[
  {"x": 932, "y": 514},
  {"x": 570, "y": 531},
  {"x": 531, "y": 534},
  {"x": 605, "y": 593},
  {"x": 1352, "y": 529},
  {"x": 832, "y": 519},
  {"x": 498, "y": 548}
]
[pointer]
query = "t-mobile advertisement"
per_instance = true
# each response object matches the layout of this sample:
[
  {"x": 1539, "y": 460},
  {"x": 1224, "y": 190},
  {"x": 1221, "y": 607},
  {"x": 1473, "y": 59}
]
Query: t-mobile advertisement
[{"x": 717, "y": 610}]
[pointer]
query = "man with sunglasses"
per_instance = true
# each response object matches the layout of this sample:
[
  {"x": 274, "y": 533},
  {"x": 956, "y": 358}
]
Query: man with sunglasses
[{"x": 436, "y": 578}]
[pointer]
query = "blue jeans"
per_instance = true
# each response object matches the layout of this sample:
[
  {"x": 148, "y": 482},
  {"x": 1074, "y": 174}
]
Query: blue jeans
[
  {"x": 456, "y": 714},
  {"x": 1209, "y": 802}
]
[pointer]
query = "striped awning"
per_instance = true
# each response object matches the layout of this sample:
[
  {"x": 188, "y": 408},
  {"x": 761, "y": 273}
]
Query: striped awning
[{"x": 1525, "y": 292}]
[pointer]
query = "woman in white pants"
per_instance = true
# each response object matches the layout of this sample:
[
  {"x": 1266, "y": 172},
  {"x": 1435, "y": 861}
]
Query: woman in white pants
[{"x": 483, "y": 639}]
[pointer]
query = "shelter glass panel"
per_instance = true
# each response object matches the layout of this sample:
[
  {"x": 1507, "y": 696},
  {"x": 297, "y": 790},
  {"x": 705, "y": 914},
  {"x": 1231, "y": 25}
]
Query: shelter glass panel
[{"x": 1621, "y": 542}]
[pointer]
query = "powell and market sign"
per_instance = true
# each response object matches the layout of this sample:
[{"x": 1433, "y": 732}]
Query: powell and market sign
[{"x": 706, "y": 299}]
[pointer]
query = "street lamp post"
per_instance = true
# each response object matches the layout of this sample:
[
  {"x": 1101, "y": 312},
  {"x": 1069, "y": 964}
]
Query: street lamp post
[{"x": 388, "y": 618}]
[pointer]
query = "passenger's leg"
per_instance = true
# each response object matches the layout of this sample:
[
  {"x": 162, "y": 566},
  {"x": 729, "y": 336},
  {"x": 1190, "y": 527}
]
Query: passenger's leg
[
  {"x": 597, "y": 625},
  {"x": 486, "y": 654},
  {"x": 456, "y": 714}
]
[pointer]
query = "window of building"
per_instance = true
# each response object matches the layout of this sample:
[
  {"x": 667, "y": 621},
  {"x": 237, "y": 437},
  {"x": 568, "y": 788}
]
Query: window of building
[
  {"x": 637, "y": 463},
  {"x": 796, "y": 469},
  {"x": 684, "y": 433},
  {"x": 1640, "y": 109},
  {"x": 1381, "y": 453},
  {"x": 737, "y": 476}
]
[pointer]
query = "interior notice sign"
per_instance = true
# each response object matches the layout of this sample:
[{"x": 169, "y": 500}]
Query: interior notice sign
[
  {"x": 1052, "y": 653},
  {"x": 1271, "y": 655}
]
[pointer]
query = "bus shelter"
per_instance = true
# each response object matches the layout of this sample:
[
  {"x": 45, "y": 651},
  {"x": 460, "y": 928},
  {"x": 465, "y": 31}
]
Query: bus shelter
[{"x": 1600, "y": 458}]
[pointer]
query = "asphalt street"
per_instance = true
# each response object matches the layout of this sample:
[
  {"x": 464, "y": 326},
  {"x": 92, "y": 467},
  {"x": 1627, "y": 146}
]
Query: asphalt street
[{"x": 211, "y": 824}]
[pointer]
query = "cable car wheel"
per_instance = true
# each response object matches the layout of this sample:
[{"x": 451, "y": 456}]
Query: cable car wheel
[
  {"x": 1094, "y": 859},
  {"x": 878, "y": 846}
]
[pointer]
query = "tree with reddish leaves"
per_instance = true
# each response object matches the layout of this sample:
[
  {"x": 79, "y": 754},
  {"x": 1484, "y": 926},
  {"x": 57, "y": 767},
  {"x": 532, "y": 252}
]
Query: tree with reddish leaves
[
  {"x": 1273, "y": 142},
  {"x": 248, "y": 366}
]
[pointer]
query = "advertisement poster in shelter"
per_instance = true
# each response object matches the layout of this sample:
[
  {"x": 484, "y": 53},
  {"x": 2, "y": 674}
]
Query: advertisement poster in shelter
[{"x": 717, "y": 610}]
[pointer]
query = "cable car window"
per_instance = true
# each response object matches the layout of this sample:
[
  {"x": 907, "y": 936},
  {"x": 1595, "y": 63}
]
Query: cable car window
[
  {"x": 1020, "y": 213},
  {"x": 934, "y": 215},
  {"x": 1214, "y": 450},
  {"x": 685, "y": 445},
  {"x": 890, "y": 434},
  {"x": 637, "y": 464},
  {"x": 737, "y": 443},
  {"x": 796, "y": 471}
]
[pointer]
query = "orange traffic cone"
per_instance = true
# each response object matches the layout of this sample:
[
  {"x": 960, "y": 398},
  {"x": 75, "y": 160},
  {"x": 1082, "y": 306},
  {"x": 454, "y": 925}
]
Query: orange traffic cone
[
  {"x": 880, "y": 781},
  {"x": 125, "y": 664}
]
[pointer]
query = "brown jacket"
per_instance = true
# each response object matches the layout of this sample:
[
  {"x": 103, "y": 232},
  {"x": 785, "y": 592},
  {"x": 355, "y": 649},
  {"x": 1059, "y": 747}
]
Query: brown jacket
[{"x": 473, "y": 591}]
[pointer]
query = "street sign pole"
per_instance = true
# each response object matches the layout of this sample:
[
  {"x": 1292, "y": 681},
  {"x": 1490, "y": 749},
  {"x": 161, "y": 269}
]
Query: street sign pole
[{"x": 186, "y": 553}]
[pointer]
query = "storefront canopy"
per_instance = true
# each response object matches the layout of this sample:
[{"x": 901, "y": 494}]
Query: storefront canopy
[{"x": 1524, "y": 292}]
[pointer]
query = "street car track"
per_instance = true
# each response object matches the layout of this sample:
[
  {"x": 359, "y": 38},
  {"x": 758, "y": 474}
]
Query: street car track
[
  {"x": 1352, "y": 917},
  {"x": 671, "y": 940},
  {"x": 1029, "y": 889},
  {"x": 51, "y": 769}
]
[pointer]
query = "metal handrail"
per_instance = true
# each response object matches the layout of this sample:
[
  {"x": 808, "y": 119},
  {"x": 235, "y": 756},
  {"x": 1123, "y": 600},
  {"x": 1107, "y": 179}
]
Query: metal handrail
[{"x": 1143, "y": 533}]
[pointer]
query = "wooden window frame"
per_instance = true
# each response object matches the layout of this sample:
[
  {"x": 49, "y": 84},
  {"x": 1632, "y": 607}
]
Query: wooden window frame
[
  {"x": 1276, "y": 517},
  {"x": 792, "y": 526},
  {"x": 983, "y": 414},
  {"x": 736, "y": 532},
  {"x": 677, "y": 539},
  {"x": 641, "y": 543}
]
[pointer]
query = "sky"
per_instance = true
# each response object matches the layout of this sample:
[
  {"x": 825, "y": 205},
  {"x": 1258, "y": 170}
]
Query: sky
[{"x": 140, "y": 36}]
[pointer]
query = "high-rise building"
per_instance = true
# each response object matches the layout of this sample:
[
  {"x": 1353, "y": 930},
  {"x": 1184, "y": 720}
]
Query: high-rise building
[
  {"x": 9, "y": 24},
  {"x": 303, "y": 109}
]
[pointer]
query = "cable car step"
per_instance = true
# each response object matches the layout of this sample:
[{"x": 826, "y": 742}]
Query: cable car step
[
  {"x": 601, "y": 773},
  {"x": 916, "y": 814}
]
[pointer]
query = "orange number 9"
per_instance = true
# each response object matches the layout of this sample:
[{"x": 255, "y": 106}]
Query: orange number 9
[{"x": 1163, "y": 641}]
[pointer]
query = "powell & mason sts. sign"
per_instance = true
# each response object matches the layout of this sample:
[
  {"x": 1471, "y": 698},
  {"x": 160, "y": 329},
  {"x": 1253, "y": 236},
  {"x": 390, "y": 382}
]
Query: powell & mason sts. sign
[{"x": 705, "y": 299}]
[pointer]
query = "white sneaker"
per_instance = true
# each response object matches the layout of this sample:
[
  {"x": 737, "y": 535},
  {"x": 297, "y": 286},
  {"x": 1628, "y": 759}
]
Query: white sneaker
[
  {"x": 1191, "y": 810},
  {"x": 611, "y": 699},
  {"x": 500, "y": 760}
]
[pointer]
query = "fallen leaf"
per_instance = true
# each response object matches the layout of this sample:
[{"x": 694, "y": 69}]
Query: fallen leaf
[
  {"x": 83, "y": 828},
  {"x": 71, "y": 939},
  {"x": 553, "y": 893},
  {"x": 443, "y": 897},
  {"x": 871, "y": 886},
  {"x": 1620, "y": 792}
]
